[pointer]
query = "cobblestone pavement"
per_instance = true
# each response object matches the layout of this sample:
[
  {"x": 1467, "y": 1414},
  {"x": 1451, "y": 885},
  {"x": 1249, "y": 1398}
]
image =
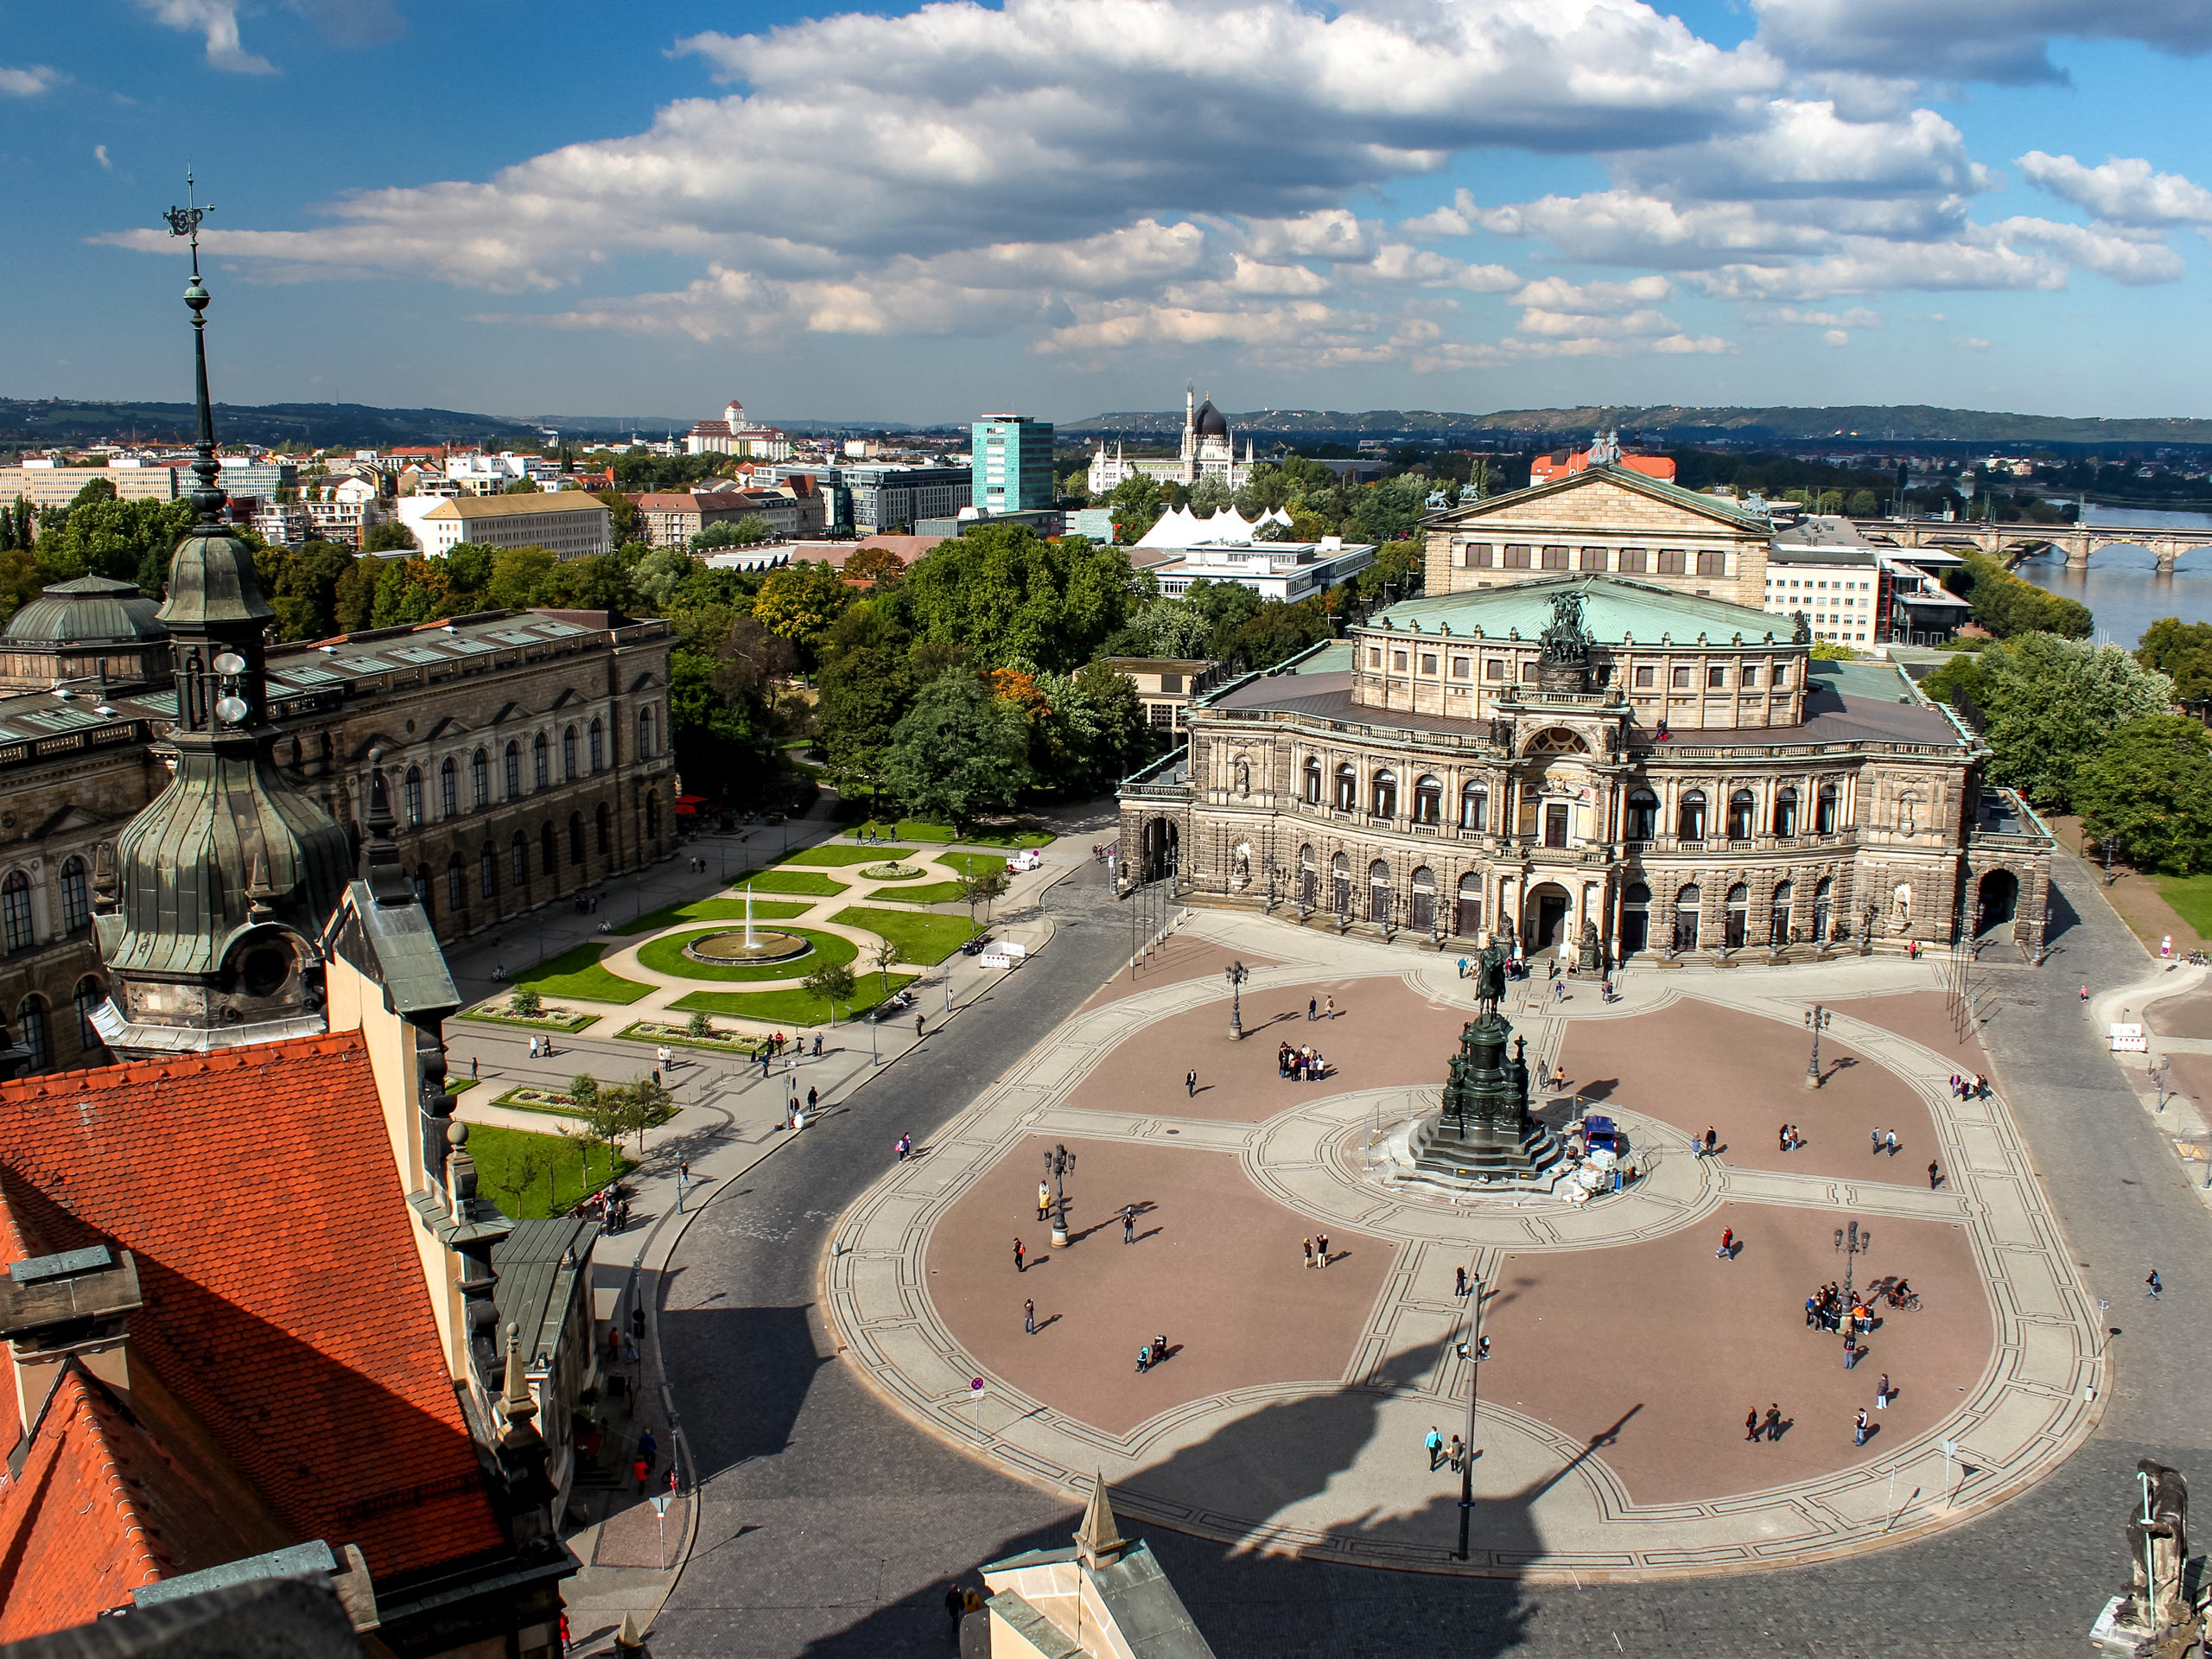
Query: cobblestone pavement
[{"x": 832, "y": 1527}]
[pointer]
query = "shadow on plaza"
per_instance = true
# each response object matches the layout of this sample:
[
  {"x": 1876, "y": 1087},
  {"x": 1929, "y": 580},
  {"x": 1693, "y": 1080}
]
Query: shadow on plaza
[{"x": 1250, "y": 1603}]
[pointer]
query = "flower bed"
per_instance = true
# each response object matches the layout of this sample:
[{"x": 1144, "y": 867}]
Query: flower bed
[
  {"x": 893, "y": 872},
  {"x": 554, "y": 1103},
  {"x": 660, "y": 1033},
  {"x": 546, "y": 1019}
]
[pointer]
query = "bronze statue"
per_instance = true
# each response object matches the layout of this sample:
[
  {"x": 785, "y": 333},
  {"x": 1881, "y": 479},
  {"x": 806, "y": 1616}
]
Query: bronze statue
[{"x": 2158, "y": 1549}]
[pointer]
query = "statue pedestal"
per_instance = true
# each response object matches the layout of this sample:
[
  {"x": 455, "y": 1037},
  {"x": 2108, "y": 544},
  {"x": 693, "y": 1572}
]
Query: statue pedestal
[{"x": 1486, "y": 1159}]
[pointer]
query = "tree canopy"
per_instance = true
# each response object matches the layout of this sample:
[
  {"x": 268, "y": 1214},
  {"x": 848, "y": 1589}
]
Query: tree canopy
[
  {"x": 959, "y": 752},
  {"x": 2149, "y": 785},
  {"x": 2047, "y": 703},
  {"x": 1005, "y": 597}
]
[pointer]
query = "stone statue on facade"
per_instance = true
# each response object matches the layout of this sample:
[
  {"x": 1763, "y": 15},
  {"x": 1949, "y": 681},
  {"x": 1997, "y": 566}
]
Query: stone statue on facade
[{"x": 1586, "y": 956}]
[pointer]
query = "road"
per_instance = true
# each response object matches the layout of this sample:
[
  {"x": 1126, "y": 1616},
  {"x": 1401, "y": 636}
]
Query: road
[{"x": 831, "y": 1528}]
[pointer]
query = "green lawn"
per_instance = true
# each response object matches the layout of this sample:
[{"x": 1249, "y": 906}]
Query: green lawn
[
  {"x": 913, "y": 829},
  {"x": 577, "y": 973},
  {"x": 905, "y": 829},
  {"x": 2192, "y": 896},
  {"x": 834, "y": 855},
  {"x": 936, "y": 892},
  {"x": 790, "y": 1008},
  {"x": 971, "y": 863},
  {"x": 666, "y": 955},
  {"x": 780, "y": 881},
  {"x": 711, "y": 910},
  {"x": 552, "y": 1165},
  {"x": 920, "y": 938}
]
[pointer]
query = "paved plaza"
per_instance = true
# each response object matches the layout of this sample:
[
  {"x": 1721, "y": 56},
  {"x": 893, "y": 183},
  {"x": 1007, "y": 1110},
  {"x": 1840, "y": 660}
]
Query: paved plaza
[{"x": 1290, "y": 1411}]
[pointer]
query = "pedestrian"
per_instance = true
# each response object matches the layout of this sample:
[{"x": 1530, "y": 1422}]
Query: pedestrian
[
  {"x": 954, "y": 1604},
  {"x": 1712, "y": 1140},
  {"x": 817, "y": 1045},
  {"x": 1890, "y": 1141},
  {"x": 564, "y": 1633},
  {"x": 1851, "y": 1348},
  {"x": 1727, "y": 1250},
  {"x": 1783, "y": 1134},
  {"x": 1457, "y": 1455},
  {"x": 1160, "y": 1348},
  {"x": 648, "y": 1447},
  {"x": 1029, "y": 1318},
  {"x": 641, "y": 1469},
  {"x": 1752, "y": 1424},
  {"x": 1773, "y": 1422},
  {"x": 1859, "y": 1427},
  {"x": 918, "y": 1027},
  {"x": 1044, "y": 1200},
  {"x": 812, "y": 1095},
  {"x": 1321, "y": 1252},
  {"x": 684, "y": 1174},
  {"x": 1435, "y": 1443},
  {"x": 1312, "y": 1007},
  {"x": 2085, "y": 993},
  {"x": 1144, "y": 1356},
  {"x": 2152, "y": 1285},
  {"x": 1934, "y": 1174},
  {"x": 1460, "y": 1289},
  {"x": 1882, "y": 1393},
  {"x": 1308, "y": 1244},
  {"x": 1191, "y": 1083},
  {"x": 1329, "y": 1009},
  {"x": 1128, "y": 1223},
  {"x": 1559, "y": 990},
  {"x": 472, "y": 1068},
  {"x": 1019, "y": 1264},
  {"x": 1463, "y": 967}
]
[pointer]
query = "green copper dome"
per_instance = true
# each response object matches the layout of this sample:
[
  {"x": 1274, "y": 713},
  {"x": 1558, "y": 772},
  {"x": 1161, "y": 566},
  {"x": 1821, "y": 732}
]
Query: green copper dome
[{"x": 89, "y": 609}]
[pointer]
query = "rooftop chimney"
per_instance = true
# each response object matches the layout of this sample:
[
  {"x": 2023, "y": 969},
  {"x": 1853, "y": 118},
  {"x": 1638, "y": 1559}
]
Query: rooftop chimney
[{"x": 76, "y": 1305}]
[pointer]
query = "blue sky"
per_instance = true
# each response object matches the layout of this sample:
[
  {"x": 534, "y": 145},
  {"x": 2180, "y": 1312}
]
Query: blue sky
[{"x": 1067, "y": 206}]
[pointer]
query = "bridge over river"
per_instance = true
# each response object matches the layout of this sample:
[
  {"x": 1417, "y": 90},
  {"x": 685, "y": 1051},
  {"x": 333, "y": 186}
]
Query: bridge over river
[{"x": 2013, "y": 542}]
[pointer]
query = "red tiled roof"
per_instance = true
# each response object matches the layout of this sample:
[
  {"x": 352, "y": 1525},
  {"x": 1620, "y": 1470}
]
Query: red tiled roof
[{"x": 285, "y": 1308}]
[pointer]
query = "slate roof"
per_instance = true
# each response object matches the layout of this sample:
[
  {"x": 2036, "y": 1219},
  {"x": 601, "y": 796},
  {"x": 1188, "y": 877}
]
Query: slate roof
[
  {"x": 1613, "y": 609},
  {"x": 285, "y": 1310},
  {"x": 536, "y": 1278}
]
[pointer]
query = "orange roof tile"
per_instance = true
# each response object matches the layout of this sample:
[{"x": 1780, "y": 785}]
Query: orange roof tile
[{"x": 285, "y": 1308}]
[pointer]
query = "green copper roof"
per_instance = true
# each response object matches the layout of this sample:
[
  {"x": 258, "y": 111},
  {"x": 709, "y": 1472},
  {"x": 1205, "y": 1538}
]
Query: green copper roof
[
  {"x": 1612, "y": 610},
  {"x": 1717, "y": 506},
  {"x": 89, "y": 608}
]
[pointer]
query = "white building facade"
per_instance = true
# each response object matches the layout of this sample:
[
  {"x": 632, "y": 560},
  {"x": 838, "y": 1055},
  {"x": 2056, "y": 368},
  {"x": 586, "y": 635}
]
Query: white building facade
[{"x": 1209, "y": 450}]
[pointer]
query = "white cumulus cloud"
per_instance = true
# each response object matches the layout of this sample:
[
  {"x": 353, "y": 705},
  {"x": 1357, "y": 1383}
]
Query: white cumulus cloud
[{"x": 2122, "y": 191}]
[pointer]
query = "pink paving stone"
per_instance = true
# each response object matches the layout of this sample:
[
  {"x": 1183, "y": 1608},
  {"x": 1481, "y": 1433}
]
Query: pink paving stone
[
  {"x": 1384, "y": 1034},
  {"x": 1185, "y": 955},
  {"x": 1694, "y": 1063},
  {"x": 1673, "y": 1346},
  {"x": 2187, "y": 1015},
  {"x": 1924, "y": 1017},
  {"x": 1219, "y": 1275}
]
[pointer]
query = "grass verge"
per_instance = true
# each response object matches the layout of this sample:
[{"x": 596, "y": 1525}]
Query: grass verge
[
  {"x": 2191, "y": 897},
  {"x": 834, "y": 855},
  {"x": 666, "y": 955},
  {"x": 914, "y": 830},
  {"x": 971, "y": 863},
  {"x": 809, "y": 882},
  {"x": 711, "y": 910},
  {"x": 529, "y": 1175},
  {"x": 936, "y": 892},
  {"x": 577, "y": 973},
  {"x": 920, "y": 938},
  {"x": 790, "y": 1008}
]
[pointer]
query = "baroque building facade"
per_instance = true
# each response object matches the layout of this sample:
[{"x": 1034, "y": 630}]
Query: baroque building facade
[
  {"x": 1612, "y": 766},
  {"x": 1207, "y": 449}
]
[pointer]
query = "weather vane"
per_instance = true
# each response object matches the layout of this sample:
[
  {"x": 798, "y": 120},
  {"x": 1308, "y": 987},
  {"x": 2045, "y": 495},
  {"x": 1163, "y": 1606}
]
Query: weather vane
[{"x": 185, "y": 220}]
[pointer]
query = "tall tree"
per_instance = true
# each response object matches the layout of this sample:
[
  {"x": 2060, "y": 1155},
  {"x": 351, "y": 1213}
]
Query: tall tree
[
  {"x": 1005, "y": 597},
  {"x": 2150, "y": 785},
  {"x": 2047, "y": 703},
  {"x": 959, "y": 751}
]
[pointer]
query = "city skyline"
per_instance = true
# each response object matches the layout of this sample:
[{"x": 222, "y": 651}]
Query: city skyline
[{"x": 1071, "y": 209}]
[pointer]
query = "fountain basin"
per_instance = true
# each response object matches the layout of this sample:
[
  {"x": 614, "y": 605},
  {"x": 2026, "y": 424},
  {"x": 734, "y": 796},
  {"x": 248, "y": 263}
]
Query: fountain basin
[{"x": 768, "y": 945}]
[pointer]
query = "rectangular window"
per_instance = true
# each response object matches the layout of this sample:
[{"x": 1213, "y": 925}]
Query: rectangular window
[
  {"x": 1716, "y": 678},
  {"x": 1398, "y": 661},
  {"x": 1751, "y": 675},
  {"x": 1711, "y": 563},
  {"x": 1594, "y": 558},
  {"x": 1632, "y": 561},
  {"x": 1672, "y": 561},
  {"x": 1171, "y": 684},
  {"x": 1461, "y": 668},
  {"x": 1555, "y": 557},
  {"x": 1375, "y": 656},
  {"x": 1781, "y": 675},
  {"x": 1682, "y": 679},
  {"x": 1493, "y": 669},
  {"x": 1555, "y": 824},
  {"x": 1427, "y": 663},
  {"x": 1529, "y": 670},
  {"x": 1644, "y": 676},
  {"x": 1476, "y": 556},
  {"x": 1516, "y": 555},
  {"x": 1160, "y": 713}
]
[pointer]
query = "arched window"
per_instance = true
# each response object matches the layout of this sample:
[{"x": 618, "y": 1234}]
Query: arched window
[
  {"x": 568, "y": 755},
  {"x": 457, "y": 885},
  {"x": 1378, "y": 893},
  {"x": 479, "y": 779},
  {"x": 575, "y": 837},
  {"x": 1347, "y": 788},
  {"x": 90, "y": 995},
  {"x": 548, "y": 847},
  {"x": 1468, "y": 921},
  {"x": 1643, "y": 816},
  {"x": 411, "y": 794},
  {"x": 605, "y": 845},
  {"x": 1385, "y": 797},
  {"x": 541, "y": 763},
  {"x": 1340, "y": 884},
  {"x": 487, "y": 872},
  {"x": 1309, "y": 879},
  {"x": 1428, "y": 802},
  {"x": 15, "y": 912},
  {"x": 1423, "y": 917},
  {"x": 1635, "y": 919},
  {"x": 514, "y": 770},
  {"x": 1908, "y": 814},
  {"x": 518, "y": 856},
  {"x": 1821, "y": 896},
  {"x": 1777, "y": 932},
  {"x": 1742, "y": 805},
  {"x": 646, "y": 733},
  {"x": 1314, "y": 780},
  {"x": 1690, "y": 823},
  {"x": 597, "y": 745},
  {"x": 1736, "y": 919},
  {"x": 1474, "y": 808},
  {"x": 30, "y": 1031},
  {"x": 448, "y": 788},
  {"x": 1785, "y": 813},
  {"x": 76, "y": 896},
  {"x": 1687, "y": 901},
  {"x": 1824, "y": 811}
]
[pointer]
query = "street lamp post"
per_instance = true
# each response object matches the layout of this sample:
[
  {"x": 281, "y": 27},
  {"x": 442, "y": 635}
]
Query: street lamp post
[
  {"x": 1058, "y": 1162},
  {"x": 1852, "y": 1245},
  {"x": 1816, "y": 1021},
  {"x": 1473, "y": 1351},
  {"x": 1236, "y": 973}
]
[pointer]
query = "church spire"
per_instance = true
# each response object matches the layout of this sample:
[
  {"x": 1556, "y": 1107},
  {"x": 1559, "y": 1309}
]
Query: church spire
[{"x": 1098, "y": 1541}]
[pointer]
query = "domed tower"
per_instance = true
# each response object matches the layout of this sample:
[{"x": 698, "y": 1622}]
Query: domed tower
[{"x": 209, "y": 917}]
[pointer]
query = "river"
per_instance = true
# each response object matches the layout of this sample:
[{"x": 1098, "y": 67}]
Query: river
[{"x": 2122, "y": 586}]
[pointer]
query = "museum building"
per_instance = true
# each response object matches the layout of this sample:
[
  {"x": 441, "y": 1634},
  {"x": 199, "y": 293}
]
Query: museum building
[{"x": 1622, "y": 762}]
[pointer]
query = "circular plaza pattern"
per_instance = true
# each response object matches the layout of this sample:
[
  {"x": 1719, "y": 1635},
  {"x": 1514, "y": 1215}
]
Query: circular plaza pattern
[
  {"x": 762, "y": 945},
  {"x": 1292, "y": 1406}
]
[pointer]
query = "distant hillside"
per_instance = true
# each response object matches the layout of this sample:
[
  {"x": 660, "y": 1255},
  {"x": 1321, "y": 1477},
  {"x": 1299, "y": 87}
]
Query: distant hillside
[{"x": 1857, "y": 423}]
